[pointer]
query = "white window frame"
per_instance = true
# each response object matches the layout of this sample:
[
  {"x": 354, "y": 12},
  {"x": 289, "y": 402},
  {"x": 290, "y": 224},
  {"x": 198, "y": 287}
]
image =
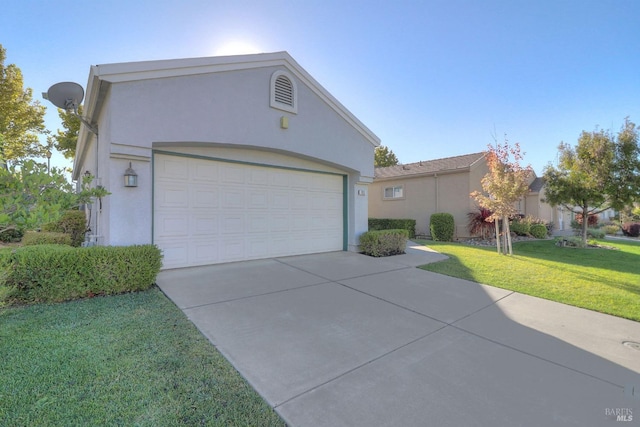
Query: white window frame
[
  {"x": 272, "y": 97},
  {"x": 394, "y": 190}
]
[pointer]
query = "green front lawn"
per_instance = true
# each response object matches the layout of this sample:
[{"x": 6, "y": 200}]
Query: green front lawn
[
  {"x": 131, "y": 359},
  {"x": 597, "y": 279}
]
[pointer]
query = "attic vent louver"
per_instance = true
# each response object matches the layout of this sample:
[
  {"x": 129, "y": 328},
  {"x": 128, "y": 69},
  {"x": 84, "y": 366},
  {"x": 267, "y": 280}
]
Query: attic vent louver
[{"x": 283, "y": 92}]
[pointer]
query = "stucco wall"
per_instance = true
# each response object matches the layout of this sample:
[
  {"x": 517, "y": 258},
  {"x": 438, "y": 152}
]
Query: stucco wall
[
  {"x": 225, "y": 115},
  {"x": 424, "y": 196}
]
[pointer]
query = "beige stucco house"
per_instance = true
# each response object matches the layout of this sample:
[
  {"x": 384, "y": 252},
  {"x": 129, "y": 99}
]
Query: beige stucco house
[{"x": 418, "y": 190}]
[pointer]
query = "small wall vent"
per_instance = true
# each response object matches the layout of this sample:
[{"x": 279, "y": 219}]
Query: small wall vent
[{"x": 283, "y": 92}]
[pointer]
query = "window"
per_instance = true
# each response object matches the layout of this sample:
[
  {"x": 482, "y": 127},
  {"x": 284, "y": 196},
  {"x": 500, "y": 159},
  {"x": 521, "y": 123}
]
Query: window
[
  {"x": 283, "y": 92},
  {"x": 396, "y": 192}
]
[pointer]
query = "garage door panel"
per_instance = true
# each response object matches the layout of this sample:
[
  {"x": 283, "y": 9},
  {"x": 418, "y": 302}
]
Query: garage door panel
[
  {"x": 172, "y": 226},
  {"x": 279, "y": 223},
  {"x": 172, "y": 195},
  {"x": 232, "y": 174},
  {"x": 204, "y": 251},
  {"x": 204, "y": 196},
  {"x": 204, "y": 171},
  {"x": 233, "y": 223},
  {"x": 257, "y": 198},
  {"x": 175, "y": 254},
  {"x": 257, "y": 223},
  {"x": 233, "y": 197},
  {"x": 209, "y": 211},
  {"x": 204, "y": 225},
  {"x": 174, "y": 168}
]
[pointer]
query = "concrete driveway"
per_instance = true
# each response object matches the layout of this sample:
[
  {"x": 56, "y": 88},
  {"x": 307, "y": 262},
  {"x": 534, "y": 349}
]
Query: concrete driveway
[{"x": 342, "y": 339}]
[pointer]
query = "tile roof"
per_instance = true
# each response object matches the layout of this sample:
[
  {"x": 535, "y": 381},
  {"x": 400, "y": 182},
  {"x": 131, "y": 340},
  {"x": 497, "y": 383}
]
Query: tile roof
[{"x": 429, "y": 166}]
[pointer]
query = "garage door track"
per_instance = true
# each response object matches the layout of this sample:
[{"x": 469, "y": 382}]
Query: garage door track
[{"x": 342, "y": 339}]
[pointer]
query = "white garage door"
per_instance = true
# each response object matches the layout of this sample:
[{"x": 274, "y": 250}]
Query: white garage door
[{"x": 209, "y": 211}]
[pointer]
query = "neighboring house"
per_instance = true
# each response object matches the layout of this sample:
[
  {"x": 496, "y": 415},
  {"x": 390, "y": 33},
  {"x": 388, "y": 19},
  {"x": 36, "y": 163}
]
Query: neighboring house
[
  {"x": 418, "y": 190},
  {"x": 237, "y": 158}
]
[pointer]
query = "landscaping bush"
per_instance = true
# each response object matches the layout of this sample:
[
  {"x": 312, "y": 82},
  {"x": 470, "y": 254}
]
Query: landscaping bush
[
  {"x": 611, "y": 229},
  {"x": 11, "y": 235},
  {"x": 73, "y": 222},
  {"x": 32, "y": 238},
  {"x": 393, "y": 224},
  {"x": 379, "y": 243},
  {"x": 631, "y": 229},
  {"x": 520, "y": 227},
  {"x": 442, "y": 227},
  {"x": 595, "y": 233},
  {"x": 539, "y": 231},
  {"x": 54, "y": 273},
  {"x": 478, "y": 224},
  {"x": 592, "y": 220},
  {"x": 570, "y": 241}
]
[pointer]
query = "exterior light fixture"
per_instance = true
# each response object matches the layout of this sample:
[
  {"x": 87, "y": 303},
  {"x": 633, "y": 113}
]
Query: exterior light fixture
[{"x": 130, "y": 177}]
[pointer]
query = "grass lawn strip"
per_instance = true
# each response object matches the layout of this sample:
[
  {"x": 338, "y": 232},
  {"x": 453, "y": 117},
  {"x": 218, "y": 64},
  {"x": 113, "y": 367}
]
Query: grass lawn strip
[
  {"x": 603, "y": 280},
  {"x": 131, "y": 359}
]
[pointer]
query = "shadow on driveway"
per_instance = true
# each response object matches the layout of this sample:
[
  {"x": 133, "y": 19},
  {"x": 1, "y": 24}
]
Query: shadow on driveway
[{"x": 341, "y": 339}]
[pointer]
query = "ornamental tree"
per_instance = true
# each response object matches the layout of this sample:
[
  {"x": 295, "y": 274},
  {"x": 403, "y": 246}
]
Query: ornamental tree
[
  {"x": 505, "y": 183},
  {"x": 21, "y": 118},
  {"x": 31, "y": 197},
  {"x": 383, "y": 157},
  {"x": 602, "y": 171}
]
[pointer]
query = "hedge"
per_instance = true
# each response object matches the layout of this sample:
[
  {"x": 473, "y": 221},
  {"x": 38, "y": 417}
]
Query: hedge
[
  {"x": 442, "y": 227},
  {"x": 393, "y": 224},
  {"x": 378, "y": 243},
  {"x": 46, "y": 238},
  {"x": 55, "y": 273}
]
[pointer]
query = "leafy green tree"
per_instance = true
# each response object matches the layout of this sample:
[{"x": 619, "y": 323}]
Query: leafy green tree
[
  {"x": 65, "y": 141},
  {"x": 21, "y": 118},
  {"x": 505, "y": 183},
  {"x": 383, "y": 157},
  {"x": 601, "y": 172},
  {"x": 31, "y": 197}
]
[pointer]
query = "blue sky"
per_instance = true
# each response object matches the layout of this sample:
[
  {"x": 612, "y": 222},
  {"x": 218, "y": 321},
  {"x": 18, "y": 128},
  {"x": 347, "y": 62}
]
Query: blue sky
[{"x": 432, "y": 78}]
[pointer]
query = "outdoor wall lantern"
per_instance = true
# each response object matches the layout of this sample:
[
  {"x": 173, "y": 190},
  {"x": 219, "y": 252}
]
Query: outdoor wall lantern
[{"x": 130, "y": 177}]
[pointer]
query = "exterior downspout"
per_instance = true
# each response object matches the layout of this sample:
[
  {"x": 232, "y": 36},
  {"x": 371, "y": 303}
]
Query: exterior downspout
[{"x": 435, "y": 177}]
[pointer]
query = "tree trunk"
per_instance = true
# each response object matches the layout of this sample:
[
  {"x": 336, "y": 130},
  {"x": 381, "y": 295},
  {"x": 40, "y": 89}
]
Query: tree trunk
[
  {"x": 585, "y": 225},
  {"x": 497, "y": 223},
  {"x": 507, "y": 231}
]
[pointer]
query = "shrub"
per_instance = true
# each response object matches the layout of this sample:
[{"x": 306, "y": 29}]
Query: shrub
[
  {"x": 74, "y": 223},
  {"x": 5, "y": 291},
  {"x": 379, "y": 243},
  {"x": 631, "y": 229},
  {"x": 11, "y": 235},
  {"x": 539, "y": 231},
  {"x": 442, "y": 227},
  {"x": 478, "y": 224},
  {"x": 520, "y": 227},
  {"x": 592, "y": 220},
  {"x": 570, "y": 241},
  {"x": 393, "y": 224},
  {"x": 611, "y": 229},
  {"x": 32, "y": 238},
  {"x": 54, "y": 273},
  {"x": 595, "y": 233}
]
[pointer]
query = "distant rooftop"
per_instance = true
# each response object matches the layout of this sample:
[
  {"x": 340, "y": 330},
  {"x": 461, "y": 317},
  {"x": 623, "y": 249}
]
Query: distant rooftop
[
  {"x": 429, "y": 166},
  {"x": 536, "y": 185}
]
